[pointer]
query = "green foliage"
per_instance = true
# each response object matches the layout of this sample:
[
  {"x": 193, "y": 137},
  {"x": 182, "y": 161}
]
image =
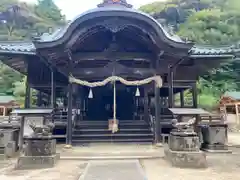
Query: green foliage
[
  {"x": 215, "y": 22},
  {"x": 26, "y": 21},
  {"x": 8, "y": 77},
  {"x": 48, "y": 11},
  {"x": 153, "y": 7},
  {"x": 211, "y": 27}
]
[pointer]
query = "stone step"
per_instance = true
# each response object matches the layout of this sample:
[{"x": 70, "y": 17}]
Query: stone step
[
  {"x": 86, "y": 141},
  {"x": 110, "y": 157},
  {"x": 115, "y": 135},
  {"x": 107, "y": 130}
]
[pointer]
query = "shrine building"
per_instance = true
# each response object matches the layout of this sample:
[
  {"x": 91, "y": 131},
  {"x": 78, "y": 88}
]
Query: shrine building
[{"x": 112, "y": 64}]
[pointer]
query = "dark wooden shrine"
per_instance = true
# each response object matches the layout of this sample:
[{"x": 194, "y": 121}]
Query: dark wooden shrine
[{"x": 112, "y": 39}]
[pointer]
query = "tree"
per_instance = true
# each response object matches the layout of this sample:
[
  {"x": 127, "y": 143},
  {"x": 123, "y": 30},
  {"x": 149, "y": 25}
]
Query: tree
[
  {"x": 214, "y": 22},
  {"x": 21, "y": 21}
]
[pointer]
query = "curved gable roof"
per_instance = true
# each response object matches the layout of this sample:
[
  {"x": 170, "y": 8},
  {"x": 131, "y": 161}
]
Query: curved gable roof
[{"x": 61, "y": 35}]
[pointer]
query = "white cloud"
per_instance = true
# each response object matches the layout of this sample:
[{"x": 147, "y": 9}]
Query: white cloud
[{"x": 72, "y": 8}]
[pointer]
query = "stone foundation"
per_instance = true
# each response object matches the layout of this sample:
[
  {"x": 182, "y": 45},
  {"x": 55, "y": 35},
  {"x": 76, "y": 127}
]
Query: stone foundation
[
  {"x": 186, "y": 159},
  {"x": 183, "y": 149},
  {"x": 179, "y": 141},
  {"x": 36, "y": 162},
  {"x": 215, "y": 148},
  {"x": 39, "y": 152},
  {"x": 40, "y": 147}
]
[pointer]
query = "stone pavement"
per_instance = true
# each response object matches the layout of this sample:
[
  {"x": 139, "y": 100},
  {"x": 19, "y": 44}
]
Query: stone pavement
[
  {"x": 233, "y": 139},
  {"x": 220, "y": 166},
  {"x": 70, "y": 170},
  {"x": 114, "y": 170},
  {"x": 110, "y": 151}
]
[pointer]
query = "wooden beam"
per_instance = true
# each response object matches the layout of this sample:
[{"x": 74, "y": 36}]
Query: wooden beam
[
  {"x": 47, "y": 85},
  {"x": 112, "y": 56}
]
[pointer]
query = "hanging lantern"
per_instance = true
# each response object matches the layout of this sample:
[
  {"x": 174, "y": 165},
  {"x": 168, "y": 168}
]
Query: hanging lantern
[
  {"x": 90, "y": 95},
  {"x": 137, "y": 92}
]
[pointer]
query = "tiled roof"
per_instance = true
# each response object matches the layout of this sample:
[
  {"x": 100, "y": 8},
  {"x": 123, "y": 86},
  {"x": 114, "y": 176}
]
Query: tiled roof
[
  {"x": 211, "y": 50},
  {"x": 17, "y": 47},
  {"x": 232, "y": 94}
]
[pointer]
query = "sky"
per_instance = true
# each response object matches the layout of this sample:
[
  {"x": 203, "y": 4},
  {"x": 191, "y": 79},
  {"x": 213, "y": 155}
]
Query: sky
[{"x": 72, "y": 8}]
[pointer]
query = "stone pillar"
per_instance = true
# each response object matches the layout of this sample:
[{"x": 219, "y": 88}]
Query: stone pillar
[{"x": 184, "y": 150}]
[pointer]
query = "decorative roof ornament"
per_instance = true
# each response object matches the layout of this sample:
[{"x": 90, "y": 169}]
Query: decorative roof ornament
[{"x": 115, "y": 2}]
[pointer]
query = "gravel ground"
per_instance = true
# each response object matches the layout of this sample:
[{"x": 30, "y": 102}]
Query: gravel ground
[
  {"x": 220, "y": 167},
  {"x": 69, "y": 170}
]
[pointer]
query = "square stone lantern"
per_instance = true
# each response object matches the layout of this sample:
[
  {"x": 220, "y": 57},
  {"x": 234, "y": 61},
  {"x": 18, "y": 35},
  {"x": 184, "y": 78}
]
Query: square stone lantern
[
  {"x": 38, "y": 149},
  {"x": 184, "y": 150}
]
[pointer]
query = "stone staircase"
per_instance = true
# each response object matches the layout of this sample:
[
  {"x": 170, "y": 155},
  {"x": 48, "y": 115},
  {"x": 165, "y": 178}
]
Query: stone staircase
[{"x": 130, "y": 131}]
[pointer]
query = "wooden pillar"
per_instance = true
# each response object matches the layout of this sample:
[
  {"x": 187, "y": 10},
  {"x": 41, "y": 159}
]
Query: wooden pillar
[
  {"x": 182, "y": 98},
  {"x": 69, "y": 118},
  {"x": 158, "y": 127},
  {"x": 146, "y": 115},
  {"x": 170, "y": 88},
  {"x": 4, "y": 111},
  {"x": 70, "y": 99},
  {"x": 48, "y": 100},
  {"x": 39, "y": 99},
  {"x": 27, "y": 95},
  {"x": 237, "y": 113},
  {"x": 53, "y": 89},
  {"x": 194, "y": 95}
]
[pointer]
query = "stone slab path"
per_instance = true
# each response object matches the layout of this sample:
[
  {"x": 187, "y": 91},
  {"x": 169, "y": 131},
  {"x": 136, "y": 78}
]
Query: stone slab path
[{"x": 114, "y": 170}]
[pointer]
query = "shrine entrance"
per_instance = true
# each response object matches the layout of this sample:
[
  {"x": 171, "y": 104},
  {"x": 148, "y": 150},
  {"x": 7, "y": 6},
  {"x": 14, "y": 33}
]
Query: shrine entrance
[{"x": 100, "y": 105}]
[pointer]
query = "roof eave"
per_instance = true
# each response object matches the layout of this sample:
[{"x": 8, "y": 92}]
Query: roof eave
[
  {"x": 212, "y": 56},
  {"x": 3, "y": 52}
]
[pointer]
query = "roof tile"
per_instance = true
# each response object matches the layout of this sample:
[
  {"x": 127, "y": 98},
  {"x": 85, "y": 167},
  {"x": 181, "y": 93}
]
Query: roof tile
[{"x": 17, "y": 47}]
